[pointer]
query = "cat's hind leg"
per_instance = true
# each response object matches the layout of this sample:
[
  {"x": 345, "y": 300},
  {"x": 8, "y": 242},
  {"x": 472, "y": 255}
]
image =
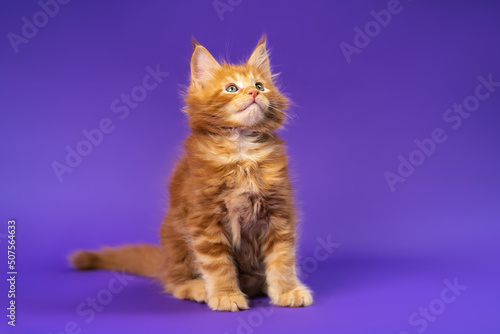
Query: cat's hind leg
[{"x": 193, "y": 289}]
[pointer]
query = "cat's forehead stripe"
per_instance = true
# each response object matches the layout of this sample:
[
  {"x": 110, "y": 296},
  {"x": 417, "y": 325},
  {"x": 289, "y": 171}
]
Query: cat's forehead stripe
[{"x": 242, "y": 79}]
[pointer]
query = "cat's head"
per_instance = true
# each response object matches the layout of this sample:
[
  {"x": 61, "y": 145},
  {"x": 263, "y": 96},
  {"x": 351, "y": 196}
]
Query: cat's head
[{"x": 222, "y": 96}]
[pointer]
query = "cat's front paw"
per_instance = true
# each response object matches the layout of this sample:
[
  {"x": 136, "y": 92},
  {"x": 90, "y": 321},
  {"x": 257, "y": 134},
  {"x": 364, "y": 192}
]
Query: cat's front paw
[
  {"x": 232, "y": 301},
  {"x": 300, "y": 296}
]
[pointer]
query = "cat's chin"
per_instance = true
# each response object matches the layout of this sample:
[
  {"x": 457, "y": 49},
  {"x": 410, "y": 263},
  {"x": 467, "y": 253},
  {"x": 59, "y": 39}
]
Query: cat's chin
[
  {"x": 253, "y": 104},
  {"x": 249, "y": 116},
  {"x": 252, "y": 108}
]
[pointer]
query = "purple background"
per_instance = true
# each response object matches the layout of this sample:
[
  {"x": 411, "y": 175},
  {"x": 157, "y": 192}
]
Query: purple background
[{"x": 352, "y": 121}]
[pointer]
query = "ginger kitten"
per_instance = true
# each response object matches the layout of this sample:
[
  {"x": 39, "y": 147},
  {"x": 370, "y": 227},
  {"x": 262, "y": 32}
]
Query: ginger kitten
[{"x": 229, "y": 231}]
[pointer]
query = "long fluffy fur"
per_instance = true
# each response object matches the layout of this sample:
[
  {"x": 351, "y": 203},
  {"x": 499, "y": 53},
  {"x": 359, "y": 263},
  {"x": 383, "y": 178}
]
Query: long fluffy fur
[{"x": 230, "y": 228}]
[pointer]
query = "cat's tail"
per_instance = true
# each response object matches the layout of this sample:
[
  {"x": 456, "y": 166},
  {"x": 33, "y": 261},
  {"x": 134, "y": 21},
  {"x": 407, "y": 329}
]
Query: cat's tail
[{"x": 142, "y": 260}]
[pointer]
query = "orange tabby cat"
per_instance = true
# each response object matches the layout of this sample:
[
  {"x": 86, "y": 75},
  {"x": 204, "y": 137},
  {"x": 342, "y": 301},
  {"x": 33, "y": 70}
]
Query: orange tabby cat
[{"x": 229, "y": 231}]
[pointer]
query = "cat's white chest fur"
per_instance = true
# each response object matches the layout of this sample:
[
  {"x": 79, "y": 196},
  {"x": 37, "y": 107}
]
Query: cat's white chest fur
[
  {"x": 243, "y": 201},
  {"x": 244, "y": 146}
]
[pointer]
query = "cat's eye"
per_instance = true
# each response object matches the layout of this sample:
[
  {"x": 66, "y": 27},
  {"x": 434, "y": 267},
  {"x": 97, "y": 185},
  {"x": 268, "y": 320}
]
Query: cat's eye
[
  {"x": 259, "y": 86},
  {"x": 231, "y": 89}
]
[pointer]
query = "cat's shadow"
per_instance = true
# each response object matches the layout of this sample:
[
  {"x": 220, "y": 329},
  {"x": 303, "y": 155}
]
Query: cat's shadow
[
  {"x": 336, "y": 275},
  {"x": 139, "y": 296}
]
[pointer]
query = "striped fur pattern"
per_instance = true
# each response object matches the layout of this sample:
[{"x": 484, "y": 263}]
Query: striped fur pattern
[{"x": 229, "y": 232}]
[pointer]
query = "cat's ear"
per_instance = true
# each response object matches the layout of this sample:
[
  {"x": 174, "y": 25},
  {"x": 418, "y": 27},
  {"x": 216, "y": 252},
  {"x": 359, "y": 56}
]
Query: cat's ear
[
  {"x": 260, "y": 58},
  {"x": 203, "y": 65}
]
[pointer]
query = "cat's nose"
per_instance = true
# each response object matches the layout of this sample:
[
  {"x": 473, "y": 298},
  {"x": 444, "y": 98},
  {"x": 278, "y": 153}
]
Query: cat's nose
[{"x": 253, "y": 92}]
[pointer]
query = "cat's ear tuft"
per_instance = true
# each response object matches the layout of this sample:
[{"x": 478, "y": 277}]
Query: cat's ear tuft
[
  {"x": 203, "y": 64},
  {"x": 260, "y": 58},
  {"x": 195, "y": 42}
]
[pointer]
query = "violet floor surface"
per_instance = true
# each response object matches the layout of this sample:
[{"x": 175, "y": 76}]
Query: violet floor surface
[{"x": 393, "y": 143}]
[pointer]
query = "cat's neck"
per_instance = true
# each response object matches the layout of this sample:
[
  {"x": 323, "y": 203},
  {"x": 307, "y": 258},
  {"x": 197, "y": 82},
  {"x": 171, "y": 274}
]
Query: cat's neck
[
  {"x": 237, "y": 134},
  {"x": 234, "y": 145}
]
